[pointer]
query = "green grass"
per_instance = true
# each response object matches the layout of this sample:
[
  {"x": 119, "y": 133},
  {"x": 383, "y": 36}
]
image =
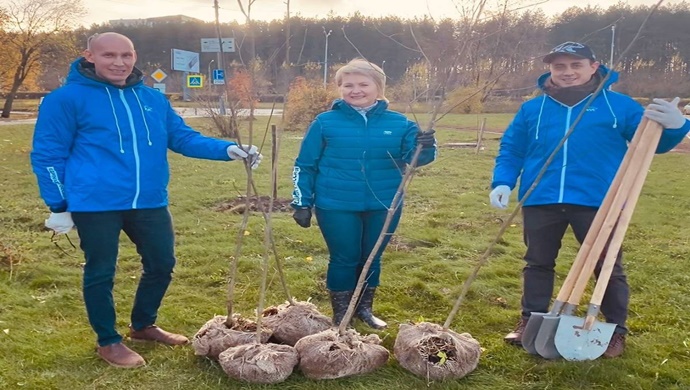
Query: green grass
[{"x": 46, "y": 342}]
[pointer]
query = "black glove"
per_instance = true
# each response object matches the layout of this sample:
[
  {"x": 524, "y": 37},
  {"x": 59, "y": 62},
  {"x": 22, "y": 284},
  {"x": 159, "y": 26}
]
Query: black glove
[
  {"x": 426, "y": 138},
  {"x": 302, "y": 217}
]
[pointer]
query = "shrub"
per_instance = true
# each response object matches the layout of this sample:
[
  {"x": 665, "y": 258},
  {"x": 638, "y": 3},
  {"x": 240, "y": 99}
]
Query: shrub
[
  {"x": 306, "y": 99},
  {"x": 464, "y": 100}
]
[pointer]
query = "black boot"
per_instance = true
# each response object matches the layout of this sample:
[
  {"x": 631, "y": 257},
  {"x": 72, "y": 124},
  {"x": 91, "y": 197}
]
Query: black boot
[
  {"x": 364, "y": 309},
  {"x": 340, "y": 300}
]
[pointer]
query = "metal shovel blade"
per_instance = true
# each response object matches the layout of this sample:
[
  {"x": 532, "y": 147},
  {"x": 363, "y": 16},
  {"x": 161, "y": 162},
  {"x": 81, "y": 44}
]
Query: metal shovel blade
[
  {"x": 576, "y": 344},
  {"x": 531, "y": 331},
  {"x": 544, "y": 341}
]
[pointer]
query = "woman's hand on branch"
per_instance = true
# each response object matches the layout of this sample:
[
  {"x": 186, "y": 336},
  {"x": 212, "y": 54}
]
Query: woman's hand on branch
[{"x": 426, "y": 138}]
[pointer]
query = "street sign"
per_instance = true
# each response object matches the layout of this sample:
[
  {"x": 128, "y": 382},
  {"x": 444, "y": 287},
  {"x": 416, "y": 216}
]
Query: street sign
[
  {"x": 218, "y": 77},
  {"x": 159, "y": 86},
  {"x": 195, "y": 81},
  {"x": 159, "y": 75},
  {"x": 185, "y": 61},
  {"x": 211, "y": 45}
]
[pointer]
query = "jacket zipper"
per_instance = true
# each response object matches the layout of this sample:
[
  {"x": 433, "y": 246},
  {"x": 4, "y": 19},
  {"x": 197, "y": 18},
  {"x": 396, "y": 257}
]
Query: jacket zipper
[{"x": 135, "y": 149}]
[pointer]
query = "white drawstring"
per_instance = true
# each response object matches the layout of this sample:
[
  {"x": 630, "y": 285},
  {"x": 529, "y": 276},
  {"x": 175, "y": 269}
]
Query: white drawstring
[
  {"x": 148, "y": 132},
  {"x": 541, "y": 110},
  {"x": 615, "y": 119},
  {"x": 117, "y": 123}
]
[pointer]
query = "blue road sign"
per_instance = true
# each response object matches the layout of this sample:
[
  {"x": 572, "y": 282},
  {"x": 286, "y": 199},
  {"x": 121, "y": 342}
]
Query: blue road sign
[
  {"x": 195, "y": 81},
  {"x": 218, "y": 76}
]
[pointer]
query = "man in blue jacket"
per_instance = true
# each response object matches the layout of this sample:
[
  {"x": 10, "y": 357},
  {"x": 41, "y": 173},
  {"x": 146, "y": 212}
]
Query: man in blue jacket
[
  {"x": 100, "y": 156},
  {"x": 575, "y": 183}
]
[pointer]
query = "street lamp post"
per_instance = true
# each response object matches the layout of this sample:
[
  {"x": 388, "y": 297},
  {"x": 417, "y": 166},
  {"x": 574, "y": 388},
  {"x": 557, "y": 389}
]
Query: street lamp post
[
  {"x": 325, "y": 57},
  {"x": 210, "y": 76}
]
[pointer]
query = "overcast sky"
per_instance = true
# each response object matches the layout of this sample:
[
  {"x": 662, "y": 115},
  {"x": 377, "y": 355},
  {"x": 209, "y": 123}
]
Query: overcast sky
[{"x": 104, "y": 10}]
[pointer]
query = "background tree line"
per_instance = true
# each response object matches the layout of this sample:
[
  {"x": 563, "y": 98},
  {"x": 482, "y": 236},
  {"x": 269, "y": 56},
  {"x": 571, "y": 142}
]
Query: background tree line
[{"x": 503, "y": 51}]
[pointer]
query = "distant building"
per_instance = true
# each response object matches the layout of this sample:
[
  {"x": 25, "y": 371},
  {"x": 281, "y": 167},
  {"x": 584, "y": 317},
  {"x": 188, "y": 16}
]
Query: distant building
[{"x": 153, "y": 21}]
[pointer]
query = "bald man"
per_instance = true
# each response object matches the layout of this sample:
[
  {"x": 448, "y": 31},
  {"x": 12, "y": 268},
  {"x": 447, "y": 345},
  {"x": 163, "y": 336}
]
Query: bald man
[{"x": 100, "y": 157}]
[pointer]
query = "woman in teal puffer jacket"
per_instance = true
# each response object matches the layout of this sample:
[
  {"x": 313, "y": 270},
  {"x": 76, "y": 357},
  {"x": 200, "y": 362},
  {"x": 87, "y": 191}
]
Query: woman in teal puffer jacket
[{"x": 350, "y": 164}]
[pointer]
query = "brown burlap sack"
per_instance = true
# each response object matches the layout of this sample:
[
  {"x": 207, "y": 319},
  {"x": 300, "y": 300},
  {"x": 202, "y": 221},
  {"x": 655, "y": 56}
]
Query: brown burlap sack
[
  {"x": 290, "y": 323},
  {"x": 427, "y": 350},
  {"x": 259, "y": 363},
  {"x": 328, "y": 355},
  {"x": 215, "y": 337}
]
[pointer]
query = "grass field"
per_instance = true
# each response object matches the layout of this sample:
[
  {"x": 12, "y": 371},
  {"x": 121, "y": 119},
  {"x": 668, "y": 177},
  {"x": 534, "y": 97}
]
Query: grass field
[{"x": 46, "y": 342}]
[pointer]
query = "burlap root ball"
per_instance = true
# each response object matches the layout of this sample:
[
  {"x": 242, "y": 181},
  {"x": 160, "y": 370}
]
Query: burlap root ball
[
  {"x": 328, "y": 355},
  {"x": 431, "y": 352},
  {"x": 215, "y": 337},
  {"x": 290, "y": 323},
  {"x": 259, "y": 363}
]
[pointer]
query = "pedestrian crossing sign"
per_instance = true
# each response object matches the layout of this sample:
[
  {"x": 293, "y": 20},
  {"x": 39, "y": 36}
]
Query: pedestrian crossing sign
[{"x": 195, "y": 81}]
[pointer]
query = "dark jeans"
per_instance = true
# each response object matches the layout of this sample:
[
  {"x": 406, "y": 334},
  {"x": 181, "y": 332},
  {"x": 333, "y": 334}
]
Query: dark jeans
[
  {"x": 151, "y": 231},
  {"x": 544, "y": 228},
  {"x": 350, "y": 237}
]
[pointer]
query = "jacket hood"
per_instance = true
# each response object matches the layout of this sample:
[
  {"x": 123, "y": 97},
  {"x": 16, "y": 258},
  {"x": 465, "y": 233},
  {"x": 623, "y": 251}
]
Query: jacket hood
[
  {"x": 603, "y": 71},
  {"x": 84, "y": 72}
]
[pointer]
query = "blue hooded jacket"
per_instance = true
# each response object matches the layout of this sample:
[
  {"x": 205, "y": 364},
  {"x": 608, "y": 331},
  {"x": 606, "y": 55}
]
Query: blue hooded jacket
[
  {"x": 102, "y": 147},
  {"x": 585, "y": 166},
  {"x": 351, "y": 163}
]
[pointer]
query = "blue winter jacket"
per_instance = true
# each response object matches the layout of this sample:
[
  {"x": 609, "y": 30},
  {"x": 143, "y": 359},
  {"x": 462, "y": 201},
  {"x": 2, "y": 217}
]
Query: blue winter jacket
[
  {"x": 352, "y": 164},
  {"x": 101, "y": 147},
  {"x": 585, "y": 166}
]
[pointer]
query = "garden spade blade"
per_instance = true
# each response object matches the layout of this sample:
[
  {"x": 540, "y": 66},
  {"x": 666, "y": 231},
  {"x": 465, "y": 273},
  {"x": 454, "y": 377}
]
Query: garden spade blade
[
  {"x": 536, "y": 324},
  {"x": 544, "y": 341},
  {"x": 575, "y": 343}
]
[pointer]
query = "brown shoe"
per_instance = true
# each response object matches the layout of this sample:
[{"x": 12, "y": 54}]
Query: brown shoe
[
  {"x": 154, "y": 333},
  {"x": 118, "y": 355},
  {"x": 616, "y": 346},
  {"x": 515, "y": 337}
]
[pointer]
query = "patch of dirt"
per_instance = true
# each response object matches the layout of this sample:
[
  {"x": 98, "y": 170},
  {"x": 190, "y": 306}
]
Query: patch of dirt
[{"x": 239, "y": 204}]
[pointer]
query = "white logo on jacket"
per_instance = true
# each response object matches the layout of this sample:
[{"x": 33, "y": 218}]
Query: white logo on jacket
[
  {"x": 387, "y": 132},
  {"x": 148, "y": 109}
]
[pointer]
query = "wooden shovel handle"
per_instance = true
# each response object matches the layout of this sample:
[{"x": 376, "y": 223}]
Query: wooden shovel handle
[
  {"x": 646, "y": 156},
  {"x": 599, "y": 231},
  {"x": 593, "y": 232}
]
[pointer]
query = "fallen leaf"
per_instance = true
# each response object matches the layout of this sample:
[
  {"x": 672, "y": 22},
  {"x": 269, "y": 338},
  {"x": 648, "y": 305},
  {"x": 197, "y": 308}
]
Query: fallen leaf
[
  {"x": 246, "y": 232},
  {"x": 308, "y": 258},
  {"x": 7, "y": 331}
]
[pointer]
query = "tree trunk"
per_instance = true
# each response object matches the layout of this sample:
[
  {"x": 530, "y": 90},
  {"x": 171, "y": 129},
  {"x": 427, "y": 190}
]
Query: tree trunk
[{"x": 19, "y": 76}]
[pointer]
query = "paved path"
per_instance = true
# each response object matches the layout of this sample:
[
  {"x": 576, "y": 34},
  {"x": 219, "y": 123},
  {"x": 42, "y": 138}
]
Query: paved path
[{"x": 185, "y": 112}]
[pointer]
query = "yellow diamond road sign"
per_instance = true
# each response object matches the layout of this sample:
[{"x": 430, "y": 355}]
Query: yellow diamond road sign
[{"x": 159, "y": 75}]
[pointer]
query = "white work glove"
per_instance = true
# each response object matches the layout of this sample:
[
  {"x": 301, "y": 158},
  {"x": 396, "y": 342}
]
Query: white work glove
[
  {"x": 60, "y": 223},
  {"x": 250, "y": 153},
  {"x": 666, "y": 113},
  {"x": 499, "y": 196}
]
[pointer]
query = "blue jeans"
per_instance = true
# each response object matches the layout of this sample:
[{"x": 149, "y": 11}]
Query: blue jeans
[
  {"x": 350, "y": 237},
  {"x": 151, "y": 231}
]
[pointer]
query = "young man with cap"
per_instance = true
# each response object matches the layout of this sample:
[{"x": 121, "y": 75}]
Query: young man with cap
[{"x": 576, "y": 181}]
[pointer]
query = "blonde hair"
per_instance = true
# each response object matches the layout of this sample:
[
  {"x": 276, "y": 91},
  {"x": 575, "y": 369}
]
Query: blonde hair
[{"x": 365, "y": 68}]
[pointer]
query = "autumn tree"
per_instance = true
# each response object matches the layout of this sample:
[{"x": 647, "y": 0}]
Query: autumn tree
[{"x": 33, "y": 27}]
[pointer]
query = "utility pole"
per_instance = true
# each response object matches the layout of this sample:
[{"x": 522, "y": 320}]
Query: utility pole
[
  {"x": 325, "y": 57},
  {"x": 613, "y": 39},
  {"x": 221, "y": 63}
]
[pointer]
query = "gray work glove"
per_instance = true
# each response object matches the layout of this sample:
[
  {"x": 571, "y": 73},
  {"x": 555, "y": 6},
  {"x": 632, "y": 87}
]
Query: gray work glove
[
  {"x": 60, "y": 223},
  {"x": 666, "y": 113},
  {"x": 246, "y": 152},
  {"x": 499, "y": 196}
]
